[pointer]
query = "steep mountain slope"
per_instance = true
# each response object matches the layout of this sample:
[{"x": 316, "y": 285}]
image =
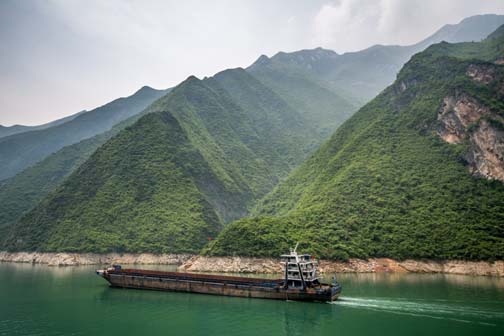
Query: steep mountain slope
[
  {"x": 22, "y": 192},
  {"x": 16, "y": 129},
  {"x": 330, "y": 87},
  {"x": 417, "y": 172},
  {"x": 303, "y": 89},
  {"x": 20, "y": 151},
  {"x": 200, "y": 158},
  {"x": 123, "y": 196},
  {"x": 250, "y": 132}
]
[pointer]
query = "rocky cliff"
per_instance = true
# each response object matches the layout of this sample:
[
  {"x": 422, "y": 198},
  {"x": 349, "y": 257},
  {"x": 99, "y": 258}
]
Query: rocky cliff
[{"x": 463, "y": 118}]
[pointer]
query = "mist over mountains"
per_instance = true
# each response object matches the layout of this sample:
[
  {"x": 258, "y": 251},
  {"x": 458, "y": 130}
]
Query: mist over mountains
[
  {"x": 15, "y": 129},
  {"x": 417, "y": 172},
  {"x": 166, "y": 170},
  {"x": 21, "y": 150}
]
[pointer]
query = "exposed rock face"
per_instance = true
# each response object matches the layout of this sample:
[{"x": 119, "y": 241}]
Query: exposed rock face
[
  {"x": 231, "y": 265},
  {"x": 486, "y": 156},
  {"x": 256, "y": 265},
  {"x": 456, "y": 114},
  {"x": 482, "y": 73},
  {"x": 462, "y": 117},
  {"x": 73, "y": 259},
  {"x": 455, "y": 267},
  {"x": 404, "y": 85},
  {"x": 268, "y": 265},
  {"x": 486, "y": 74},
  {"x": 378, "y": 265}
]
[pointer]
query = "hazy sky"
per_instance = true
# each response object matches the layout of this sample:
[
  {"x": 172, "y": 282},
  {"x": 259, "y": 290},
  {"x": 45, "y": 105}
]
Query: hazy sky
[{"x": 60, "y": 57}]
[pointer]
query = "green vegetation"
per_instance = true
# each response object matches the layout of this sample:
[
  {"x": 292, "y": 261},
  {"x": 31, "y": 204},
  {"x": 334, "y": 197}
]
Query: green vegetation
[
  {"x": 212, "y": 148},
  {"x": 291, "y": 77},
  {"x": 20, "y": 151},
  {"x": 198, "y": 158},
  {"x": 131, "y": 195},
  {"x": 21, "y": 193},
  {"x": 385, "y": 184},
  {"x": 328, "y": 87}
]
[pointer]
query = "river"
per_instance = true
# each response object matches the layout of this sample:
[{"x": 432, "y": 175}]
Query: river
[{"x": 42, "y": 300}]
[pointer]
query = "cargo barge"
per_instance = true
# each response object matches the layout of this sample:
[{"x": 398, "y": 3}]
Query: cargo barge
[{"x": 300, "y": 282}]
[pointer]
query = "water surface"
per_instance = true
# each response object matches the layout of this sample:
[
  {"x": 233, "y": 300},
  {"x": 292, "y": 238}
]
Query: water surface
[{"x": 42, "y": 300}]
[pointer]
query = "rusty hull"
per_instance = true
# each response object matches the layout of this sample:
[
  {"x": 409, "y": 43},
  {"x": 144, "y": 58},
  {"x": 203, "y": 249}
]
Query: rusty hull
[{"x": 217, "y": 285}]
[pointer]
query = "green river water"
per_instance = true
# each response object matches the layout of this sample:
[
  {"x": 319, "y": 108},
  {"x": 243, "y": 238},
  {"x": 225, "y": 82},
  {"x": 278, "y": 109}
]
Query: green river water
[{"x": 42, "y": 300}]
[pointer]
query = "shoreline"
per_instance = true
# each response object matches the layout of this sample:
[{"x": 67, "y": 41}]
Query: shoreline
[
  {"x": 372, "y": 265},
  {"x": 196, "y": 263},
  {"x": 79, "y": 259}
]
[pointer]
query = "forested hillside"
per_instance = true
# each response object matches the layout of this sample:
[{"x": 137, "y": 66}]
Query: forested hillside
[
  {"x": 416, "y": 173},
  {"x": 214, "y": 147},
  {"x": 199, "y": 159}
]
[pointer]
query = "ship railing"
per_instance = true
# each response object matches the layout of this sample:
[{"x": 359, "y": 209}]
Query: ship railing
[{"x": 298, "y": 277}]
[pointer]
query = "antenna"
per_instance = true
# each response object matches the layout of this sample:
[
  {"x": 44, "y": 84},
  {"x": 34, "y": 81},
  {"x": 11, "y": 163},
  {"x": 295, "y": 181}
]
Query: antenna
[{"x": 295, "y": 248}]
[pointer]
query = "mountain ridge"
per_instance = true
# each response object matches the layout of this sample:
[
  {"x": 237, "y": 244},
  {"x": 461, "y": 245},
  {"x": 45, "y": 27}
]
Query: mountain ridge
[
  {"x": 390, "y": 182},
  {"x": 194, "y": 161},
  {"x": 22, "y": 150},
  {"x": 358, "y": 76},
  {"x": 230, "y": 139},
  {"x": 16, "y": 129}
]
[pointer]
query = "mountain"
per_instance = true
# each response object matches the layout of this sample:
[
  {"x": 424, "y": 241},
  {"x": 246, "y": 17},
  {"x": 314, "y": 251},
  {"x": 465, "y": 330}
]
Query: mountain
[
  {"x": 200, "y": 158},
  {"x": 15, "y": 129},
  {"x": 471, "y": 29},
  {"x": 329, "y": 87},
  {"x": 291, "y": 75},
  {"x": 250, "y": 128},
  {"x": 21, "y": 193},
  {"x": 417, "y": 172},
  {"x": 20, "y": 151},
  {"x": 325, "y": 87}
]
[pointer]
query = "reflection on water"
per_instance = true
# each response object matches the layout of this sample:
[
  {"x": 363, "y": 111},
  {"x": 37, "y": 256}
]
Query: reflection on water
[
  {"x": 37, "y": 299},
  {"x": 349, "y": 278},
  {"x": 220, "y": 314},
  {"x": 67, "y": 271}
]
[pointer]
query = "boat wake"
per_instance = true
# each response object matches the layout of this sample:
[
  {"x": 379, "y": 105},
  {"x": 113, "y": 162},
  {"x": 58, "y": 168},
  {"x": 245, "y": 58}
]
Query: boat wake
[{"x": 421, "y": 308}]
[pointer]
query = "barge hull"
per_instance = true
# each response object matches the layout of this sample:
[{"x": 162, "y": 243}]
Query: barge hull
[{"x": 207, "y": 286}]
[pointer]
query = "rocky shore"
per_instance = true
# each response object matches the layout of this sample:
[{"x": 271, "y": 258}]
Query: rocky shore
[
  {"x": 75, "y": 259},
  {"x": 266, "y": 265},
  {"x": 190, "y": 263}
]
